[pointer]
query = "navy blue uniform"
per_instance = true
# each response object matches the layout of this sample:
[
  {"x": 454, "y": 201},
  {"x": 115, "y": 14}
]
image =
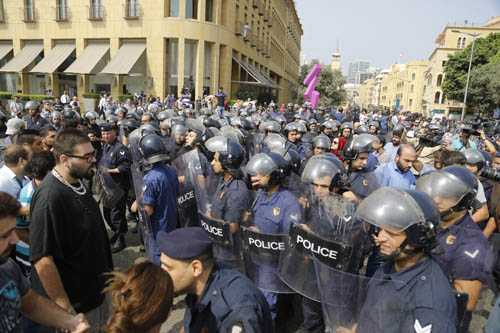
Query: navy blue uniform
[
  {"x": 229, "y": 303},
  {"x": 117, "y": 156},
  {"x": 160, "y": 191},
  {"x": 230, "y": 200},
  {"x": 363, "y": 183},
  {"x": 410, "y": 300},
  {"x": 36, "y": 123}
]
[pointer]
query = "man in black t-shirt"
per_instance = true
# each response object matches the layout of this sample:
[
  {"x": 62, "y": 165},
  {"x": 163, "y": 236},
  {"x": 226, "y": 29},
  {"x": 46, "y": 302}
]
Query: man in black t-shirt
[
  {"x": 221, "y": 98},
  {"x": 69, "y": 247}
]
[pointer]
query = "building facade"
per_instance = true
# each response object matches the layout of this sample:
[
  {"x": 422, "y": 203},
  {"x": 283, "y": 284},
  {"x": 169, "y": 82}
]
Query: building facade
[
  {"x": 447, "y": 43},
  {"x": 354, "y": 69},
  {"x": 156, "y": 47}
]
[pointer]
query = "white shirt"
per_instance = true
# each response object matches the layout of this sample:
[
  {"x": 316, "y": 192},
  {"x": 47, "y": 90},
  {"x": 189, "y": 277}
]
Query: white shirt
[
  {"x": 74, "y": 103},
  {"x": 65, "y": 99},
  {"x": 16, "y": 107},
  {"x": 8, "y": 182}
]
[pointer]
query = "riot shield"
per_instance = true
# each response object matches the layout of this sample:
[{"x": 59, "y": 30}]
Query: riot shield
[
  {"x": 256, "y": 142},
  {"x": 189, "y": 171},
  {"x": 328, "y": 231},
  {"x": 261, "y": 253},
  {"x": 105, "y": 188}
]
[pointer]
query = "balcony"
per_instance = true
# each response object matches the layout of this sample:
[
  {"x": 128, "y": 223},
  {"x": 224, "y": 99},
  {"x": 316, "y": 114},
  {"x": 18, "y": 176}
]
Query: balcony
[
  {"x": 266, "y": 16},
  {"x": 238, "y": 28},
  {"x": 254, "y": 40},
  {"x": 95, "y": 12},
  {"x": 28, "y": 14},
  {"x": 255, "y": 3},
  {"x": 261, "y": 9},
  {"x": 131, "y": 10},
  {"x": 270, "y": 22},
  {"x": 61, "y": 13}
]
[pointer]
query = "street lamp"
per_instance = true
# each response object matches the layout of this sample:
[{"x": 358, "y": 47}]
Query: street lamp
[{"x": 473, "y": 35}]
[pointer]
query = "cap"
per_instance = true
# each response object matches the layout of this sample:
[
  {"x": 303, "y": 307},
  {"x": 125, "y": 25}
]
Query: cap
[
  {"x": 184, "y": 243},
  {"x": 105, "y": 127},
  {"x": 14, "y": 125}
]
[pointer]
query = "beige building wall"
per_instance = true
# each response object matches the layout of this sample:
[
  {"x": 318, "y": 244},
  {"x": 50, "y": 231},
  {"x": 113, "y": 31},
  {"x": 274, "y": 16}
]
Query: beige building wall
[
  {"x": 367, "y": 94},
  {"x": 272, "y": 44}
]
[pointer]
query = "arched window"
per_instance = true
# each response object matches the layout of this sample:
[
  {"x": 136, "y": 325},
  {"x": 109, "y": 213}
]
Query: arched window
[
  {"x": 437, "y": 97},
  {"x": 463, "y": 42},
  {"x": 439, "y": 80},
  {"x": 459, "y": 43},
  {"x": 413, "y": 77}
]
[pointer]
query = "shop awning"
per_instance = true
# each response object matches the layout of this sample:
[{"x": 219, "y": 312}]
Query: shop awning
[
  {"x": 4, "y": 50},
  {"x": 23, "y": 58},
  {"x": 55, "y": 58},
  {"x": 261, "y": 78},
  {"x": 126, "y": 57},
  {"x": 88, "y": 60}
]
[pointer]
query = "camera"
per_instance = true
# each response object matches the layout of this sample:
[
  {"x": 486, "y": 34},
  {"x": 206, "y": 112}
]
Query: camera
[{"x": 491, "y": 173}]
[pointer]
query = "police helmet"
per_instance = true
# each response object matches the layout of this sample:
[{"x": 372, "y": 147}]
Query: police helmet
[
  {"x": 67, "y": 107},
  {"x": 290, "y": 105},
  {"x": 474, "y": 157},
  {"x": 31, "y": 105},
  {"x": 129, "y": 125},
  {"x": 178, "y": 129},
  {"x": 154, "y": 127},
  {"x": 231, "y": 153},
  {"x": 311, "y": 121},
  {"x": 56, "y": 114},
  {"x": 292, "y": 158},
  {"x": 290, "y": 127},
  {"x": 69, "y": 114},
  {"x": 322, "y": 141},
  {"x": 453, "y": 182},
  {"x": 232, "y": 133},
  {"x": 132, "y": 115},
  {"x": 210, "y": 122},
  {"x": 398, "y": 130},
  {"x": 271, "y": 126},
  {"x": 345, "y": 125},
  {"x": 91, "y": 115},
  {"x": 327, "y": 124},
  {"x": 374, "y": 124},
  {"x": 362, "y": 129},
  {"x": 162, "y": 115},
  {"x": 152, "y": 149},
  {"x": 396, "y": 210},
  {"x": 325, "y": 165},
  {"x": 274, "y": 141},
  {"x": 280, "y": 119},
  {"x": 121, "y": 111},
  {"x": 363, "y": 143},
  {"x": 268, "y": 164},
  {"x": 301, "y": 126},
  {"x": 111, "y": 117}
]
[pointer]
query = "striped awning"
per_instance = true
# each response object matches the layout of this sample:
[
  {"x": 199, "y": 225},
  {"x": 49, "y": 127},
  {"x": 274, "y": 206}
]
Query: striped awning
[
  {"x": 125, "y": 59},
  {"x": 55, "y": 58},
  {"x": 88, "y": 60},
  {"x": 23, "y": 58}
]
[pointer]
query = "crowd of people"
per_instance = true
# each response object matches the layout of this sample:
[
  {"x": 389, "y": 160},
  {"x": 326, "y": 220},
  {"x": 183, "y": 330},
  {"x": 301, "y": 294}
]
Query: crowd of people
[{"x": 269, "y": 219}]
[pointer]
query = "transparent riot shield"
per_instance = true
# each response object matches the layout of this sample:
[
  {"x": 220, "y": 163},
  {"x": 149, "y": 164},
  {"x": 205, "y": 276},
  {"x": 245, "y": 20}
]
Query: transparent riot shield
[
  {"x": 328, "y": 231},
  {"x": 144, "y": 223},
  {"x": 256, "y": 142},
  {"x": 105, "y": 188},
  {"x": 189, "y": 171},
  {"x": 261, "y": 254}
]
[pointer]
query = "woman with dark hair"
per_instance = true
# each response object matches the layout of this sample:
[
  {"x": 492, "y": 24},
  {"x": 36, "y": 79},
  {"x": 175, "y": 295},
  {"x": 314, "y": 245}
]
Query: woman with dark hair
[{"x": 142, "y": 298}]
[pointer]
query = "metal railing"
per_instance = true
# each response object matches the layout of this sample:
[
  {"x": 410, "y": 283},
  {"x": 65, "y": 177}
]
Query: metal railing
[
  {"x": 28, "y": 13},
  {"x": 238, "y": 28},
  {"x": 61, "y": 13},
  {"x": 96, "y": 11},
  {"x": 131, "y": 10}
]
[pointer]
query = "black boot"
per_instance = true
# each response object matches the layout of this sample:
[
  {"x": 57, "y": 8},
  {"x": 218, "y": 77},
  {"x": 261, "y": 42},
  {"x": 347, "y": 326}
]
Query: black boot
[{"x": 119, "y": 245}]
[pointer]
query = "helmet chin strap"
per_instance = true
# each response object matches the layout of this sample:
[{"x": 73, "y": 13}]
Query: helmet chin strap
[{"x": 397, "y": 252}]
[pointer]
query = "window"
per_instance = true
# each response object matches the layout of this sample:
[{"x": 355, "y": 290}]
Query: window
[
  {"x": 190, "y": 52},
  {"x": 209, "y": 10},
  {"x": 437, "y": 97},
  {"x": 96, "y": 10},
  {"x": 410, "y": 102},
  {"x": 459, "y": 43},
  {"x": 62, "y": 10},
  {"x": 172, "y": 8},
  {"x": 192, "y": 9},
  {"x": 132, "y": 9},
  {"x": 439, "y": 80},
  {"x": 443, "y": 63},
  {"x": 29, "y": 10},
  {"x": 413, "y": 77},
  {"x": 411, "y": 88},
  {"x": 172, "y": 63},
  {"x": 1, "y": 11},
  {"x": 463, "y": 42}
]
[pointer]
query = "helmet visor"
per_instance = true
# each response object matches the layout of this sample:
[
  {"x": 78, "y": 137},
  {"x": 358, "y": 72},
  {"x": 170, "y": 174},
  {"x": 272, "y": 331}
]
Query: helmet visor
[{"x": 260, "y": 164}]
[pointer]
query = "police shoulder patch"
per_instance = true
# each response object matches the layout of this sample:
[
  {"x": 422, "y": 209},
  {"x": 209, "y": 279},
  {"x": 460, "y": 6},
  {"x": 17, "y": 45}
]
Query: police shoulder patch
[
  {"x": 122, "y": 152},
  {"x": 236, "y": 328}
]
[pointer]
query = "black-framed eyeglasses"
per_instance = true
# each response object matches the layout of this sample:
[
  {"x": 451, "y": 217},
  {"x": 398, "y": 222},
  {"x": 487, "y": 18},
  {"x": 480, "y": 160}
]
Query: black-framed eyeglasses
[{"x": 89, "y": 157}]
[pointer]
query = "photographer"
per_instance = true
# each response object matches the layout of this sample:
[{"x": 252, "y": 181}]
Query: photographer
[{"x": 464, "y": 142}]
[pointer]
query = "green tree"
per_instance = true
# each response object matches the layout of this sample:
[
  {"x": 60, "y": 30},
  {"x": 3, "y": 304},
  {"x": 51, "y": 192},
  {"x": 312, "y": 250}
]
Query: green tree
[
  {"x": 330, "y": 85},
  {"x": 484, "y": 88},
  {"x": 486, "y": 50}
]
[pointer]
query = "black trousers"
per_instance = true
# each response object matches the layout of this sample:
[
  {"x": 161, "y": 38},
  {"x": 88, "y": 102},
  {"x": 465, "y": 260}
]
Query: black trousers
[
  {"x": 313, "y": 315},
  {"x": 115, "y": 217}
]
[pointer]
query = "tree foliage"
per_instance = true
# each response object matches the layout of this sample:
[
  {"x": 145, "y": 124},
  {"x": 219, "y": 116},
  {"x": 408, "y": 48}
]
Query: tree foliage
[
  {"x": 484, "y": 88},
  {"x": 330, "y": 85},
  {"x": 486, "y": 51}
]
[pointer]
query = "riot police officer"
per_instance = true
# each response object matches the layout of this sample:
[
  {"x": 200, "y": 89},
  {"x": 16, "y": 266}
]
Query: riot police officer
[
  {"x": 355, "y": 154},
  {"x": 91, "y": 126},
  {"x": 321, "y": 144},
  {"x": 346, "y": 130},
  {"x": 467, "y": 259},
  {"x": 34, "y": 121},
  {"x": 219, "y": 298},
  {"x": 116, "y": 160},
  {"x": 274, "y": 207},
  {"x": 160, "y": 191},
  {"x": 408, "y": 221}
]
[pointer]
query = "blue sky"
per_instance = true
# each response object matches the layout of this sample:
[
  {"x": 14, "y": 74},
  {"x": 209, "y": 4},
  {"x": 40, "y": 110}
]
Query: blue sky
[{"x": 379, "y": 31}]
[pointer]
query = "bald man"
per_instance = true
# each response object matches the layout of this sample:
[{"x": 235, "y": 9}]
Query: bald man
[{"x": 397, "y": 173}]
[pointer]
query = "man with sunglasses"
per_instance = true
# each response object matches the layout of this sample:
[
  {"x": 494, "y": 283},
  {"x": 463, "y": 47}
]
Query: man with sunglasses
[{"x": 69, "y": 247}]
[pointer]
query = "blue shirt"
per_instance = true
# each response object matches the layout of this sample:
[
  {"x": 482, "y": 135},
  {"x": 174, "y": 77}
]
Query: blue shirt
[
  {"x": 36, "y": 123},
  {"x": 390, "y": 148},
  {"x": 399, "y": 301},
  {"x": 231, "y": 200},
  {"x": 371, "y": 163},
  {"x": 161, "y": 189},
  {"x": 274, "y": 213},
  {"x": 383, "y": 122},
  {"x": 458, "y": 145},
  {"x": 363, "y": 183},
  {"x": 388, "y": 174},
  {"x": 229, "y": 303},
  {"x": 467, "y": 254}
]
